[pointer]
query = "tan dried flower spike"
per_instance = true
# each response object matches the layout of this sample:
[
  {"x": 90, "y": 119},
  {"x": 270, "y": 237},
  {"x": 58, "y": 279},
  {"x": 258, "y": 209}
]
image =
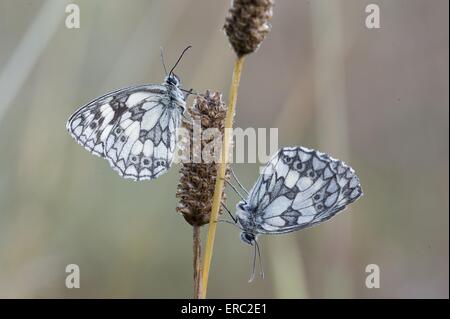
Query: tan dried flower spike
[
  {"x": 247, "y": 24},
  {"x": 197, "y": 180}
]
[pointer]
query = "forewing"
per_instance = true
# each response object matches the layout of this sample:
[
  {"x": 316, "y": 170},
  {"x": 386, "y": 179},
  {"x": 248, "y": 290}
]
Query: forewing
[
  {"x": 301, "y": 187},
  {"x": 91, "y": 124},
  {"x": 142, "y": 143}
]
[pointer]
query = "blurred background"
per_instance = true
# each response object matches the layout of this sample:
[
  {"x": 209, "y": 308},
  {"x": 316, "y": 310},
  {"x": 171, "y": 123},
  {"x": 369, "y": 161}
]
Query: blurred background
[{"x": 376, "y": 98}]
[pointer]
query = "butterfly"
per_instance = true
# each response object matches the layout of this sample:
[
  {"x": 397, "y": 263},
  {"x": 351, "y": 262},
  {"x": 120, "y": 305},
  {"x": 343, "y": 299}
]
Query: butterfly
[
  {"x": 298, "y": 188},
  {"x": 134, "y": 128}
]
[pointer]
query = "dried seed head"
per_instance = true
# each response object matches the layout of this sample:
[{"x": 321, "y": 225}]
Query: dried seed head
[
  {"x": 197, "y": 180},
  {"x": 247, "y": 24}
]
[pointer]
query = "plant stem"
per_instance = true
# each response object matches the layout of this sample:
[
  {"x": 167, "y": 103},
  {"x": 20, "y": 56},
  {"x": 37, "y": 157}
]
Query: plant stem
[
  {"x": 197, "y": 262},
  {"x": 217, "y": 198}
]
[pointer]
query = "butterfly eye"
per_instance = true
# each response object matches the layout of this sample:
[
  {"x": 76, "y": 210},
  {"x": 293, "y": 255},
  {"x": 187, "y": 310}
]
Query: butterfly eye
[
  {"x": 93, "y": 125},
  {"x": 173, "y": 80},
  {"x": 319, "y": 207},
  {"x": 118, "y": 130},
  {"x": 123, "y": 138},
  {"x": 249, "y": 237}
]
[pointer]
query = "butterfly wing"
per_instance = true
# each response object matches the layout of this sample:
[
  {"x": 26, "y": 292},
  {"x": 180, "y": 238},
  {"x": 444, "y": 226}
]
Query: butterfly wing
[
  {"x": 299, "y": 188},
  {"x": 91, "y": 124},
  {"x": 141, "y": 145}
]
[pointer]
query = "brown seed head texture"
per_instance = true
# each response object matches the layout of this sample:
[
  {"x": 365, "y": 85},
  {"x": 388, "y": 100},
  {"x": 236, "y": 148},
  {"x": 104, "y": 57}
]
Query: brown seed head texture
[
  {"x": 197, "y": 180},
  {"x": 247, "y": 24}
]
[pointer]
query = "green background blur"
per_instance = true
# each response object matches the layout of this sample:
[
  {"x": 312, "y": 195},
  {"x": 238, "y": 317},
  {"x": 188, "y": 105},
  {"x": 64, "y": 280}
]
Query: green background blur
[{"x": 377, "y": 99}]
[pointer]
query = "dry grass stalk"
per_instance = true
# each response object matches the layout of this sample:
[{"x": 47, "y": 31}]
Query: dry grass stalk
[{"x": 246, "y": 26}]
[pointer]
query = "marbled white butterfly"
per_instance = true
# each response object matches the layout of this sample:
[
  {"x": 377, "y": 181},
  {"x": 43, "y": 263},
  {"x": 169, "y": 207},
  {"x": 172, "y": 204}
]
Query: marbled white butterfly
[
  {"x": 298, "y": 188},
  {"x": 134, "y": 128}
]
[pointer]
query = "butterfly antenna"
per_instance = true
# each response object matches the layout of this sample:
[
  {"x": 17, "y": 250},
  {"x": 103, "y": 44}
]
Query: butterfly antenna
[
  {"x": 179, "y": 59},
  {"x": 260, "y": 260},
  {"x": 235, "y": 189},
  {"x": 237, "y": 181},
  {"x": 162, "y": 60},
  {"x": 252, "y": 275}
]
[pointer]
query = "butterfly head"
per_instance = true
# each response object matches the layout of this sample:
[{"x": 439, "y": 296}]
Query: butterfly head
[
  {"x": 173, "y": 79},
  {"x": 246, "y": 223},
  {"x": 248, "y": 238}
]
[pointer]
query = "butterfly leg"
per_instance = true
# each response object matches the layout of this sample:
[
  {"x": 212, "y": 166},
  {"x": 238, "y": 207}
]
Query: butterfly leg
[
  {"x": 229, "y": 213},
  {"x": 186, "y": 118},
  {"x": 235, "y": 190},
  {"x": 237, "y": 181},
  {"x": 189, "y": 92}
]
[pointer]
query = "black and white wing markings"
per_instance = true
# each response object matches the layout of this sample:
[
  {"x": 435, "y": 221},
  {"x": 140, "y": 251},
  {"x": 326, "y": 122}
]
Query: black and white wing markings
[
  {"x": 300, "y": 187},
  {"x": 142, "y": 143},
  {"x": 91, "y": 124}
]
